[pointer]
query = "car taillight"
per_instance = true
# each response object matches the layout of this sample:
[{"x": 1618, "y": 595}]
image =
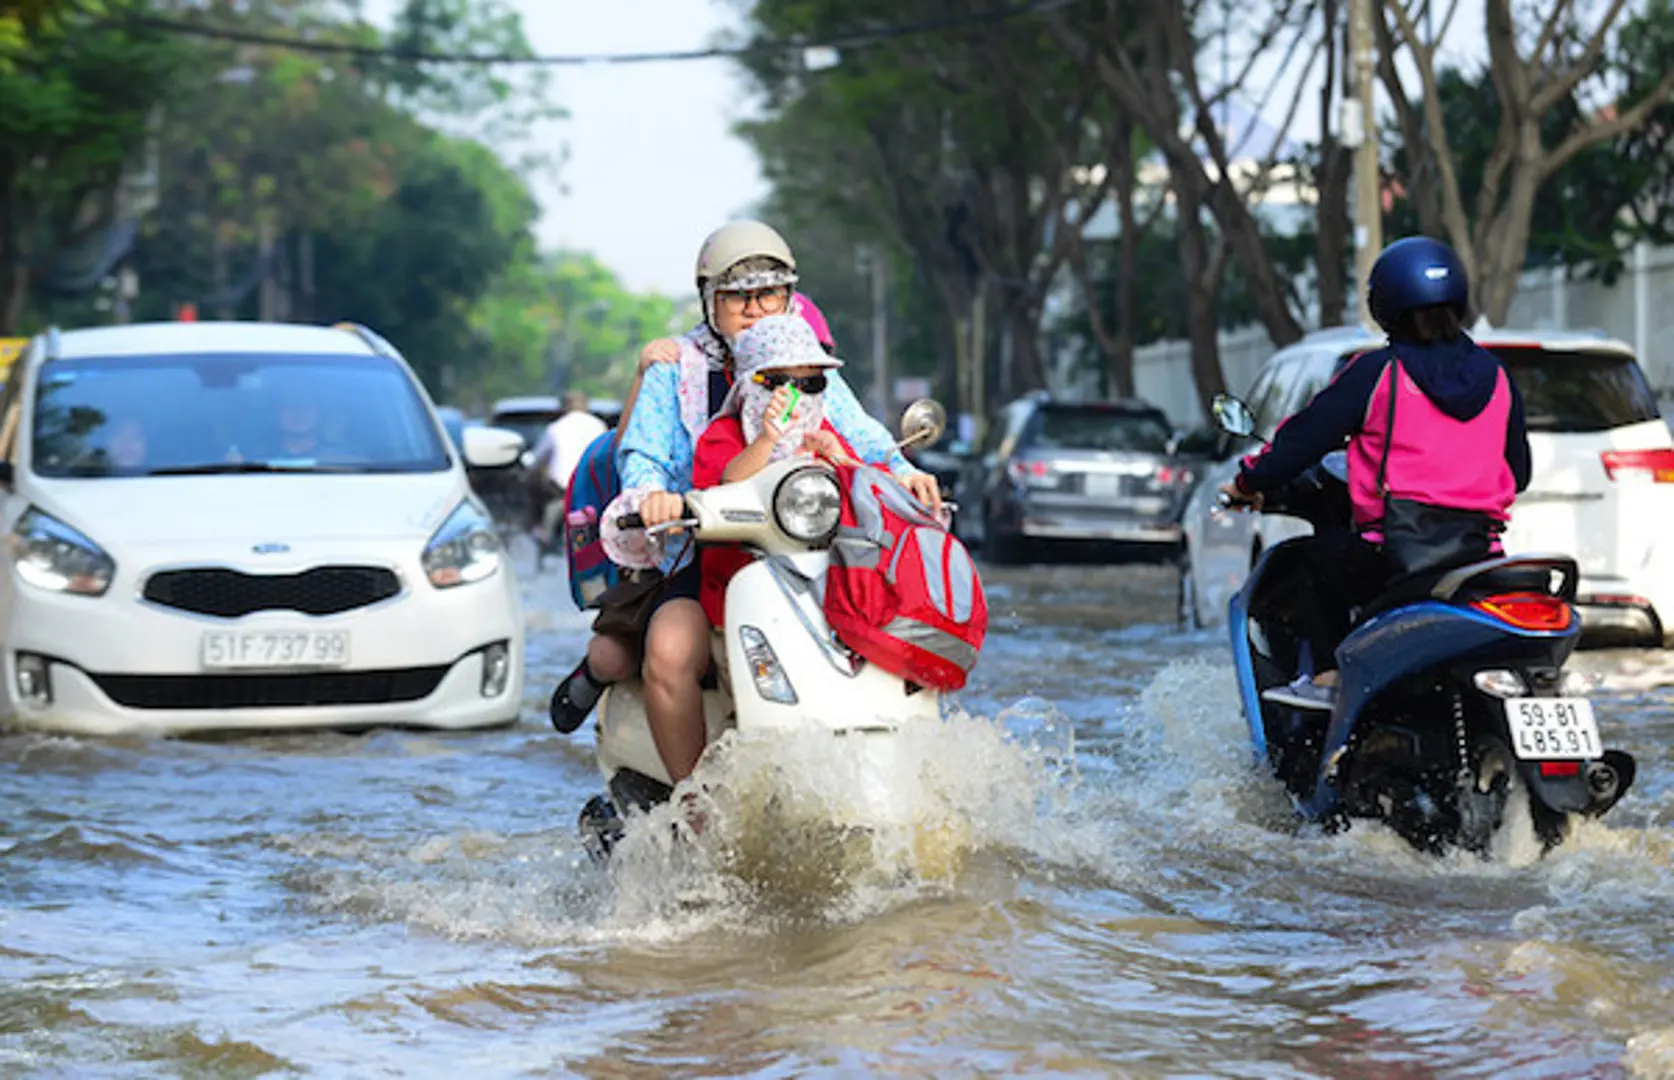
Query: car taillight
[
  {"x": 1167, "y": 474},
  {"x": 1033, "y": 473},
  {"x": 1656, "y": 466},
  {"x": 1527, "y": 611}
]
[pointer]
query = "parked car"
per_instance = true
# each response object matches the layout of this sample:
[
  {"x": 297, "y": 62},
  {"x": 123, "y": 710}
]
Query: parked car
[
  {"x": 222, "y": 526},
  {"x": 1075, "y": 471},
  {"x": 1602, "y": 489}
]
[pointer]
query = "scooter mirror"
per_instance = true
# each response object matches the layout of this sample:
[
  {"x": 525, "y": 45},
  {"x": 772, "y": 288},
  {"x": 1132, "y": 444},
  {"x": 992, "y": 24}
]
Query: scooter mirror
[
  {"x": 1233, "y": 416},
  {"x": 922, "y": 423}
]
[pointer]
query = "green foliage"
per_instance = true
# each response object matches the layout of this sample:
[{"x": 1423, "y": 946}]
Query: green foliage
[
  {"x": 340, "y": 167},
  {"x": 76, "y": 106}
]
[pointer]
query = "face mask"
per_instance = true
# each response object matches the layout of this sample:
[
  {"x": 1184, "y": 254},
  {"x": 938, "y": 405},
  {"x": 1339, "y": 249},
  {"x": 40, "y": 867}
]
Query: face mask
[{"x": 810, "y": 412}]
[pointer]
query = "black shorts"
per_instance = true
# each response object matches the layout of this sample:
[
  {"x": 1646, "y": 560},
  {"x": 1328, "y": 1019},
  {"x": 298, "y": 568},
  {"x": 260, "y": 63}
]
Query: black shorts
[{"x": 631, "y": 618}]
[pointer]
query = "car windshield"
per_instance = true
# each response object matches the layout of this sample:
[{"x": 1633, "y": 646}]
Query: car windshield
[
  {"x": 1577, "y": 391},
  {"x": 1060, "y": 427},
  {"x": 231, "y": 413}
]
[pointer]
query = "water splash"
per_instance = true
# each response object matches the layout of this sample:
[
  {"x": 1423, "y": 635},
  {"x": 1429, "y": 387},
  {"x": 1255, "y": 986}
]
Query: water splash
[{"x": 777, "y": 839}]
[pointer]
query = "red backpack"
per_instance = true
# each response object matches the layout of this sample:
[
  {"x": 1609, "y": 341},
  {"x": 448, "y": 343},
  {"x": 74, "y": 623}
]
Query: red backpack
[{"x": 902, "y": 591}]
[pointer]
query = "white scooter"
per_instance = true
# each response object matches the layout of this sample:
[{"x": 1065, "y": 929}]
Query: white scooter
[{"x": 779, "y": 667}]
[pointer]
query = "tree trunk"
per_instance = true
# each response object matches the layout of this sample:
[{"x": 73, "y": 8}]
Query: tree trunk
[
  {"x": 268, "y": 290},
  {"x": 14, "y": 292},
  {"x": 1028, "y": 362},
  {"x": 1502, "y": 248},
  {"x": 1127, "y": 265},
  {"x": 220, "y": 275},
  {"x": 1332, "y": 232},
  {"x": 1201, "y": 281},
  {"x": 305, "y": 311},
  {"x": 1331, "y": 181}
]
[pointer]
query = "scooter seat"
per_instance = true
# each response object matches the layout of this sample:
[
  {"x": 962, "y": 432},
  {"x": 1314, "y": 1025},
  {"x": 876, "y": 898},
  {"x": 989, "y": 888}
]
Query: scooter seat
[
  {"x": 1524, "y": 573},
  {"x": 1551, "y": 575}
]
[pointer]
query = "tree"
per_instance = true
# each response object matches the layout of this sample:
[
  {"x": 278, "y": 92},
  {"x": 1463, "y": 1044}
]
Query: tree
[
  {"x": 969, "y": 155},
  {"x": 77, "y": 100},
  {"x": 1146, "y": 56},
  {"x": 1548, "y": 61}
]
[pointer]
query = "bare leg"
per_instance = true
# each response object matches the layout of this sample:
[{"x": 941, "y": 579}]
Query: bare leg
[
  {"x": 611, "y": 659},
  {"x": 676, "y": 657}
]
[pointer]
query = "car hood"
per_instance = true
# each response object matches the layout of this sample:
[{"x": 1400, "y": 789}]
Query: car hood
[{"x": 254, "y": 508}]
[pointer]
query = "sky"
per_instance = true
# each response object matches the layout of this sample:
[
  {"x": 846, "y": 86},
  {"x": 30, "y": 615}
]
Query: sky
[{"x": 653, "y": 165}]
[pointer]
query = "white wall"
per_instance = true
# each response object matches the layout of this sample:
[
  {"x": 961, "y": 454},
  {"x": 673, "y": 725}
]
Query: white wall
[{"x": 1637, "y": 309}]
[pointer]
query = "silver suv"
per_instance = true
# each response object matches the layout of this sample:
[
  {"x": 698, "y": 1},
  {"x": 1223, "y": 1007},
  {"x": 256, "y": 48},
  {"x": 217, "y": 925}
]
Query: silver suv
[{"x": 1076, "y": 471}]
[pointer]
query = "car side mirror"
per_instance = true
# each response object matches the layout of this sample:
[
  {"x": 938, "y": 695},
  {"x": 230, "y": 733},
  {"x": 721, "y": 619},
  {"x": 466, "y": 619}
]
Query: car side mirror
[{"x": 491, "y": 447}]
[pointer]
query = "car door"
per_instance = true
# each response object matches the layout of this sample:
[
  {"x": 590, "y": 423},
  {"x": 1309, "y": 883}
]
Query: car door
[
  {"x": 1219, "y": 543},
  {"x": 1307, "y": 376}
]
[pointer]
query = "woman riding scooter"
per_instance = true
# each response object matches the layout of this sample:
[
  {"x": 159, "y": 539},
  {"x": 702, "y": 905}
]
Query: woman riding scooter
[
  {"x": 745, "y": 272},
  {"x": 1433, "y": 424}
]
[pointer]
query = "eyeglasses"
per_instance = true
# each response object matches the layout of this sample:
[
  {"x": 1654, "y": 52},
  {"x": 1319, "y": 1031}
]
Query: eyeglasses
[
  {"x": 808, "y": 384},
  {"x": 771, "y": 301}
]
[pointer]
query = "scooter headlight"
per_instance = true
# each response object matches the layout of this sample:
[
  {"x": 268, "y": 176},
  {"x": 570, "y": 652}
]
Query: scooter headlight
[
  {"x": 808, "y": 505},
  {"x": 466, "y": 548},
  {"x": 49, "y": 554}
]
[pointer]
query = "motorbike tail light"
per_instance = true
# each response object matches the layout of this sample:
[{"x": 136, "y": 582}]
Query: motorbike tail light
[
  {"x": 1654, "y": 466},
  {"x": 1527, "y": 611},
  {"x": 1560, "y": 768}
]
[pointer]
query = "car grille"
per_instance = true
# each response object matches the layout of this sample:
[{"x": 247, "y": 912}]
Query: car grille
[
  {"x": 323, "y": 590},
  {"x": 270, "y": 691}
]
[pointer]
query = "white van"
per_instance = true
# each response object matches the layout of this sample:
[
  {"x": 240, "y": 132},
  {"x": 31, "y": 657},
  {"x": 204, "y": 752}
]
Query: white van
[{"x": 1602, "y": 489}]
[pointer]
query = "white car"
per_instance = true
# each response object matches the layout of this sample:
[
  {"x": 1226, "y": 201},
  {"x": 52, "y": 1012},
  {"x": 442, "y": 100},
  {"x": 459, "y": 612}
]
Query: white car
[
  {"x": 225, "y": 526},
  {"x": 1602, "y": 489}
]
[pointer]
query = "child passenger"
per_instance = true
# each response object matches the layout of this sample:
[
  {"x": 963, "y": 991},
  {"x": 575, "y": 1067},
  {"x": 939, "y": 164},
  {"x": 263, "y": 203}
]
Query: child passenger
[{"x": 773, "y": 356}]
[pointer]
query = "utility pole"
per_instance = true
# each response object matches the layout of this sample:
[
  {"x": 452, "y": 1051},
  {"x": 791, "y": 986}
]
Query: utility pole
[
  {"x": 1362, "y": 125},
  {"x": 880, "y": 334}
]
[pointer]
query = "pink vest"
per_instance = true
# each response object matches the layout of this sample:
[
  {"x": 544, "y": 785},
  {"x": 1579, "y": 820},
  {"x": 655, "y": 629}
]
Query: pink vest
[{"x": 1435, "y": 459}]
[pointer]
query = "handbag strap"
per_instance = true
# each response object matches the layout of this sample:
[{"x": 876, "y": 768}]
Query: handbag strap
[{"x": 1389, "y": 428}]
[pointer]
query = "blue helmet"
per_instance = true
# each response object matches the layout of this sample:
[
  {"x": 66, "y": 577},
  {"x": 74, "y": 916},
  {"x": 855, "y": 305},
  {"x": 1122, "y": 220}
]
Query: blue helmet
[{"x": 1416, "y": 272}]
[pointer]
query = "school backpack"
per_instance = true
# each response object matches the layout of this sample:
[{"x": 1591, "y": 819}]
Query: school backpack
[
  {"x": 902, "y": 591},
  {"x": 593, "y": 485}
]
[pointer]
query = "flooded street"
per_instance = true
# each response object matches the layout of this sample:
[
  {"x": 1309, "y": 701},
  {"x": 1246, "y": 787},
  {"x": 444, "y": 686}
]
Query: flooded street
[{"x": 1137, "y": 900}]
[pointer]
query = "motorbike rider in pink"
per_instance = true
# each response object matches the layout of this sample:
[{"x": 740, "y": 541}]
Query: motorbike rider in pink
[{"x": 1461, "y": 441}]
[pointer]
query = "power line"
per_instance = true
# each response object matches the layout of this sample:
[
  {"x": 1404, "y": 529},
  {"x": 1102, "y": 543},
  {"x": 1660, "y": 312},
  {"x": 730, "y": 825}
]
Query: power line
[{"x": 840, "y": 41}]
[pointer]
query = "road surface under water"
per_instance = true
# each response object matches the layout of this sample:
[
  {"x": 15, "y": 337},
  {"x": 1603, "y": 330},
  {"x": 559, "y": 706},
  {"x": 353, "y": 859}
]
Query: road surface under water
[{"x": 1135, "y": 900}]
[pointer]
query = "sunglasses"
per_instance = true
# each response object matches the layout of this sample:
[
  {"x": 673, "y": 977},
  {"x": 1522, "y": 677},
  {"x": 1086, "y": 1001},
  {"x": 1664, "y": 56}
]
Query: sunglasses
[
  {"x": 808, "y": 384},
  {"x": 771, "y": 301}
]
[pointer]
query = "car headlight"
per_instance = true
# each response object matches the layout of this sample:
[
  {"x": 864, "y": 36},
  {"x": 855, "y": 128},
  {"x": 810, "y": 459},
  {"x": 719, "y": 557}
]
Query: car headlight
[
  {"x": 466, "y": 548},
  {"x": 51, "y": 555},
  {"x": 808, "y": 505}
]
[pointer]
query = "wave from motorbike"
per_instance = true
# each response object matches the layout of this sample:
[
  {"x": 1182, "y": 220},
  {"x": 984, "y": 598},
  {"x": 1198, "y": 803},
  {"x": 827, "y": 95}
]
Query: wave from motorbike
[
  {"x": 779, "y": 669},
  {"x": 1452, "y": 698}
]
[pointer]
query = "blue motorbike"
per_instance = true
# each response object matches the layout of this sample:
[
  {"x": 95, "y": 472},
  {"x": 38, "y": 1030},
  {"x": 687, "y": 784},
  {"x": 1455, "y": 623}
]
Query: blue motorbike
[{"x": 1451, "y": 696}]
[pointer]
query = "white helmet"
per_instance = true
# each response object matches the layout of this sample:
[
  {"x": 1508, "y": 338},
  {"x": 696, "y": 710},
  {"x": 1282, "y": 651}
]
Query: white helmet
[{"x": 736, "y": 241}]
